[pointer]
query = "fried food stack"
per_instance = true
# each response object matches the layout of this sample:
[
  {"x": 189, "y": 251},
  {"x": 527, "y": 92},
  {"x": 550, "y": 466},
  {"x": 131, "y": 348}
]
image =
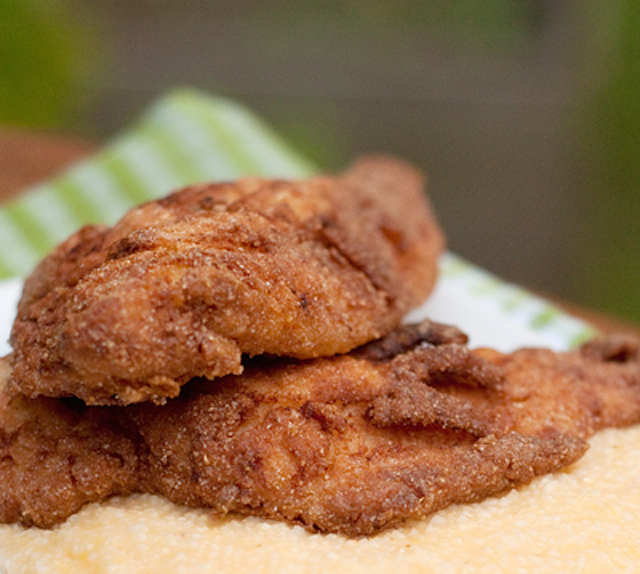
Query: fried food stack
[
  {"x": 186, "y": 286},
  {"x": 245, "y": 338}
]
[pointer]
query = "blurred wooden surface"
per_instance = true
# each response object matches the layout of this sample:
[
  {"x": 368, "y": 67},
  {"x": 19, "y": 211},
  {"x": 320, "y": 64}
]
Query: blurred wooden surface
[{"x": 27, "y": 158}]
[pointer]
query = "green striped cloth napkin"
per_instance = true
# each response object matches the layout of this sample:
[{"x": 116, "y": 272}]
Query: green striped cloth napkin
[
  {"x": 184, "y": 138},
  {"x": 189, "y": 136}
]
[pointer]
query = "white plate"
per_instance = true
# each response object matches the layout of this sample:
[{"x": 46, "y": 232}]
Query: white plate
[{"x": 9, "y": 295}]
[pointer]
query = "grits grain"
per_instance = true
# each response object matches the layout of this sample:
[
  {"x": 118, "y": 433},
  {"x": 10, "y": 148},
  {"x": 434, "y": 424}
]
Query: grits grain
[{"x": 586, "y": 519}]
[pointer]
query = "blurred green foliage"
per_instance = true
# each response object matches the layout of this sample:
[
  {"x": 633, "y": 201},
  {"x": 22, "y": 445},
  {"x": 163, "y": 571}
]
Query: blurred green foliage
[
  {"x": 470, "y": 23},
  {"x": 45, "y": 50},
  {"x": 50, "y": 54},
  {"x": 611, "y": 249},
  {"x": 462, "y": 26},
  {"x": 473, "y": 22}
]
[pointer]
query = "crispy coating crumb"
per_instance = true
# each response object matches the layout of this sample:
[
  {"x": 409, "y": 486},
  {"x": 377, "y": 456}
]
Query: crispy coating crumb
[
  {"x": 183, "y": 287},
  {"x": 351, "y": 444},
  {"x": 57, "y": 455}
]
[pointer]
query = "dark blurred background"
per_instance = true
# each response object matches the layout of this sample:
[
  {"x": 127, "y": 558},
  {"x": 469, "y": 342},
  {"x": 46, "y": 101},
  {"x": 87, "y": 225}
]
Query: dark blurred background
[{"x": 524, "y": 113}]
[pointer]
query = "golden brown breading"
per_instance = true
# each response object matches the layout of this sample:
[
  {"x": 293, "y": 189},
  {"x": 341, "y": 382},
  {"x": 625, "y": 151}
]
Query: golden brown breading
[
  {"x": 57, "y": 455},
  {"x": 579, "y": 393},
  {"x": 350, "y": 444},
  {"x": 184, "y": 286}
]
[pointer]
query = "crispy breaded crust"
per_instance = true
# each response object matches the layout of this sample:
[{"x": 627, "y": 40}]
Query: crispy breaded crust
[
  {"x": 351, "y": 444},
  {"x": 185, "y": 286},
  {"x": 57, "y": 455}
]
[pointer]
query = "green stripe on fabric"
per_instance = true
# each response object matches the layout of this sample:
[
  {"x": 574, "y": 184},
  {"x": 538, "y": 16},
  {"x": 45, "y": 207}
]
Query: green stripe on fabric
[
  {"x": 209, "y": 157},
  {"x": 515, "y": 300},
  {"x": 101, "y": 191},
  {"x": 545, "y": 318},
  {"x": 17, "y": 254},
  {"x": 81, "y": 208},
  {"x": 271, "y": 153},
  {"x": 33, "y": 233},
  {"x": 49, "y": 213},
  {"x": 247, "y": 141},
  {"x": 175, "y": 156},
  {"x": 125, "y": 178},
  {"x": 6, "y": 268},
  {"x": 6, "y": 272},
  {"x": 231, "y": 145},
  {"x": 582, "y": 337}
]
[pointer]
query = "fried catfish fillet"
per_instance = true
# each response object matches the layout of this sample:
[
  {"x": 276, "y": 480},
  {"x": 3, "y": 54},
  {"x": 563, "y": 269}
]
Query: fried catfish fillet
[
  {"x": 351, "y": 444},
  {"x": 185, "y": 286},
  {"x": 57, "y": 455}
]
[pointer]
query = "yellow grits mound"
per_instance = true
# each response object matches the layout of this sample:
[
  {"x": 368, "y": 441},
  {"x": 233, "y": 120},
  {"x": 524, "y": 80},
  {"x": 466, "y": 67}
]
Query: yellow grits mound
[{"x": 586, "y": 519}]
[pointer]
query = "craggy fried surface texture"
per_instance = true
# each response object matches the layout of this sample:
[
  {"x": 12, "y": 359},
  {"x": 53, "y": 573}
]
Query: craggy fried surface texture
[
  {"x": 184, "y": 286},
  {"x": 351, "y": 444},
  {"x": 57, "y": 455}
]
